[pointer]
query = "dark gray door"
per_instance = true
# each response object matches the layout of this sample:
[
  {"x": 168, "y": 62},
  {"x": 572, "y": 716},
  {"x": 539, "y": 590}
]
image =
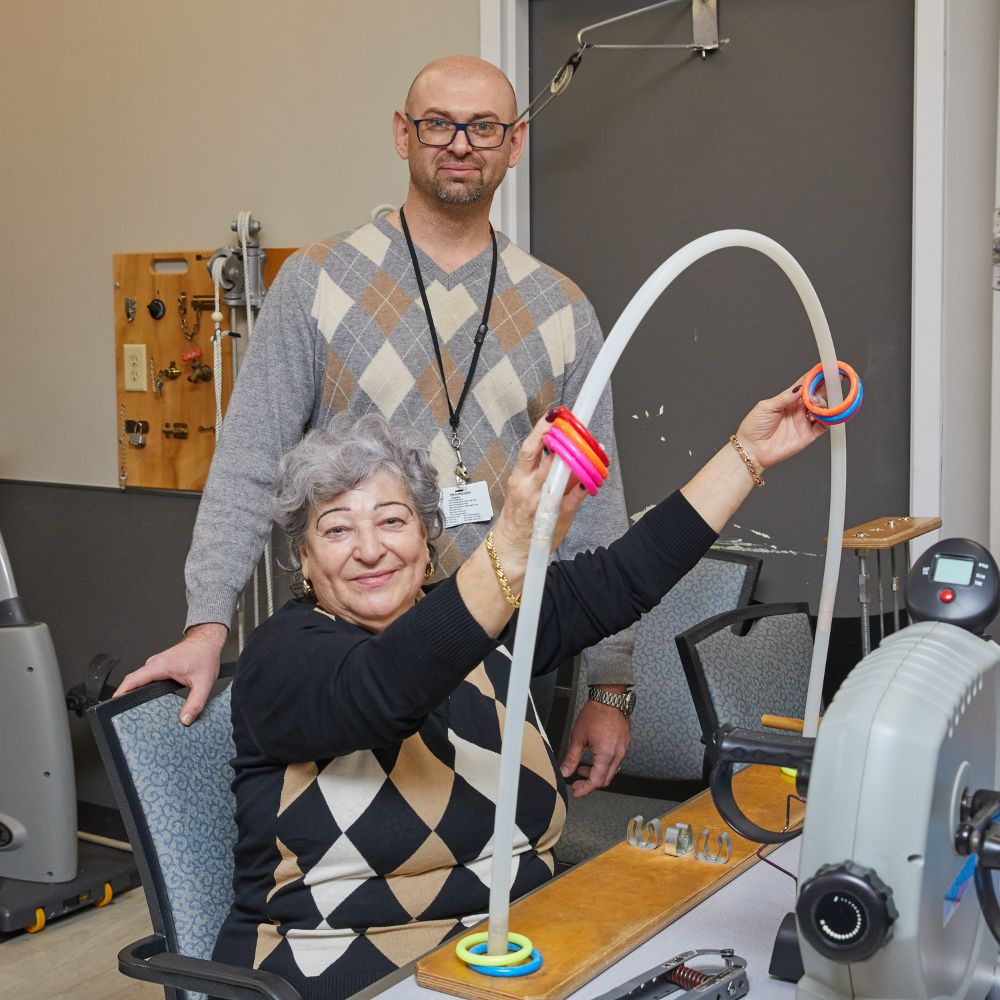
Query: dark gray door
[{"x": 800, "y": 128}]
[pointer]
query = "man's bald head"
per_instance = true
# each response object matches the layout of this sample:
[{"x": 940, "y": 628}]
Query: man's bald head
[{"x": 484, "y": 83}]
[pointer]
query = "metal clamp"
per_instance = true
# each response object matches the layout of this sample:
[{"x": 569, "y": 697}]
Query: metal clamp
[
  {"x": 678, "y": 840},
  {"x": 643, "y": 835},
  {"x": 717, "y": 856}
]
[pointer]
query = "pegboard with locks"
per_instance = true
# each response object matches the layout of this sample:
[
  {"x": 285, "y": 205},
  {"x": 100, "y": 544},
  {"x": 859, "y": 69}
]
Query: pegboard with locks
[{"x": 165, "y": 382}]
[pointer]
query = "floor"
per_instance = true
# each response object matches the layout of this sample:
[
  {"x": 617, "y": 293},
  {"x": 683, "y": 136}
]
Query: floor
[{"x": 74, "y": 958}]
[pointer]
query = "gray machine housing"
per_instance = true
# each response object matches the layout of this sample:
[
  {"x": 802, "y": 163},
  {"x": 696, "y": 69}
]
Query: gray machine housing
[
  {"x": 912, "y": 728},
  {"x": 37, "y": 786}
]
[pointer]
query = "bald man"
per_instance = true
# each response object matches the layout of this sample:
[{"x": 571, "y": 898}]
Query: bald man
[{"x": 431, "y": 318}]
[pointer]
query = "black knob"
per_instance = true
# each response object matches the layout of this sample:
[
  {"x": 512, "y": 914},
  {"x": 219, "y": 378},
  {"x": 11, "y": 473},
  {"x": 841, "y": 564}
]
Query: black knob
[
  {"x": 156, "y": 309},
  {"x": 845, "y": 912}
]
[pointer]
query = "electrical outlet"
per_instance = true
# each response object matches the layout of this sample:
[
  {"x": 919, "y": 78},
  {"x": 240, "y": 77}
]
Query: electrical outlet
[{"x": 134, "y": 356}]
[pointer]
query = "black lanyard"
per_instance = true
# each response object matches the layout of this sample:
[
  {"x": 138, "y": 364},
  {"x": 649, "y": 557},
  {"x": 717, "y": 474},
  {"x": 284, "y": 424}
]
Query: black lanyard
[{"x": 461, "y": 472}]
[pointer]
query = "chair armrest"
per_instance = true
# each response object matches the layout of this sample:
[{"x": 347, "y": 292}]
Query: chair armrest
[{"x": 149, "y": 961}]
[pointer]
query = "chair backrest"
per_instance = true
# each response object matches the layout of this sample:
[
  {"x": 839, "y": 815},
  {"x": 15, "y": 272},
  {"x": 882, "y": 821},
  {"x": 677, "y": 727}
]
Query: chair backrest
[
  {"x": 666, "y": 736},
  {"x": 744, "y": 663},
  {"x": 172, "y": 785}
]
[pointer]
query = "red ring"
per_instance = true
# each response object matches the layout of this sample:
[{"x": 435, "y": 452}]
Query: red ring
[
  {"x": 570, "y": 417},
  {"x": 830, "y": 411}
]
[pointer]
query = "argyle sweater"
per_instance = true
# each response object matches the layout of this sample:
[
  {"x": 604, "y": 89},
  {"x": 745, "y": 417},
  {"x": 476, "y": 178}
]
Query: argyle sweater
[
  {"x": 367, "y": 765},
  {"x": 343, "y": 328}
]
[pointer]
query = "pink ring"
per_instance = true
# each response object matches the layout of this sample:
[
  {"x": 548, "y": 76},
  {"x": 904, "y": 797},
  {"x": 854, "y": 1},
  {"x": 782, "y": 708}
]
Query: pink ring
[
  {"x": 578, "y": 453},
  {"x": 583, "y": 471}
]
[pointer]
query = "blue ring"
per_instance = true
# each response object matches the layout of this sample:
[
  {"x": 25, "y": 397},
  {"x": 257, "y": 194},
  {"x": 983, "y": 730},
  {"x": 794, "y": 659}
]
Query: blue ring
[
  {"x": 849, "y": 412},
  {"x": 506, "y": 971},
  {"x": 840, "y": 418}
]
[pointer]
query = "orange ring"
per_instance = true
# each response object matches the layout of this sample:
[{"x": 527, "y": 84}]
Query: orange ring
[
  {"x": 830, "y": 411},
  {"x": 39, "y": 923},
  {"x": 571, "y": 432},
  {"x": 107, "y": 897},
  {"x": 568, "y": 415}
]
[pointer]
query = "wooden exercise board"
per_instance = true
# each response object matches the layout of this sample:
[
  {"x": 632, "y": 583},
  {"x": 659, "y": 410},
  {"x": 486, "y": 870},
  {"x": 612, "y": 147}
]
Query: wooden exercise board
[
  {"x": 885, "y": 532},
  {"x": 165, "y": 461},
  {"x": 601, "y": 910}
]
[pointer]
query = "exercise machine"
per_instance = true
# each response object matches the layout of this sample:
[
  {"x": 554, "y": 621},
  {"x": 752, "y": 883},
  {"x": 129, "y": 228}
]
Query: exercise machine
[
  {"x": 45, "y": 869},
  {"x": 903, "y": 800}
]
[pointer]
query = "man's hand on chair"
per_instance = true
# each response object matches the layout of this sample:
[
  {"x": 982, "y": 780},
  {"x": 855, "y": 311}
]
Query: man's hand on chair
[
  {"x": 193, "y": 662},
  {"x": 606, "y": 732}
]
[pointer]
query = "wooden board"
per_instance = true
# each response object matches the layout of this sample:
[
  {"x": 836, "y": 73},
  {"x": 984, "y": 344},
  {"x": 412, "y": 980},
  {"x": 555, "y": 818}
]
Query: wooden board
[
  {"x": 599, "y": 911},
  {"x": 885, "y": 532},
  {"x": 166, "y": 462}
]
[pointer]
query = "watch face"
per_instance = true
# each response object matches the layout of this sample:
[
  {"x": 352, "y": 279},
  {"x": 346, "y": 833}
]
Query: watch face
[{"x": 629, "y": 707}]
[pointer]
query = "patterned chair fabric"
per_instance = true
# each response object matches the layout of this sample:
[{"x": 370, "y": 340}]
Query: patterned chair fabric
[
  {"x": 736, "y": 678},
  {"x": 666, "y": 735},
  {"x": 173, "y": 786}
]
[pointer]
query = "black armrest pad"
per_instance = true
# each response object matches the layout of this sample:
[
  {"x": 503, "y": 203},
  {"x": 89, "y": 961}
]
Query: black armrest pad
[{"x": 149, "y": 961}]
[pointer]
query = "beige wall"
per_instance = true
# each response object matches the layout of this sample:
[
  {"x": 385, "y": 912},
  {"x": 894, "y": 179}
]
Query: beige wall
[{"x": 132, "y": 125}]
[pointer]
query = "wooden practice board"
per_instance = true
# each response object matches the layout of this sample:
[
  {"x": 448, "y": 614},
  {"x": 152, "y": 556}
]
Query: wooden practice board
[
  {"x": 885, "y": 532},
  {"x": 164, "y": 461},
  {"x": 601, "y": 910}
]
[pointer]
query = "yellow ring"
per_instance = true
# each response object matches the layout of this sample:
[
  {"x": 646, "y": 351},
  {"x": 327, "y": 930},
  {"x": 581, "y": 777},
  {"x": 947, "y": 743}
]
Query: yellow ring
[
  {"x": 107, "y": 897},
  {"x": 511, "y": 958},
  {"x": 39, "y": 923}
]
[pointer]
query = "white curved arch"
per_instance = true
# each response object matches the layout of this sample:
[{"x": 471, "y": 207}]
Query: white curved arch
[{"x": 548, "y": 506}]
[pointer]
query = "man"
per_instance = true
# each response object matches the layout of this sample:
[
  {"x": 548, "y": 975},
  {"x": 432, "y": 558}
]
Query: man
[{"x": 431, "y": 318}]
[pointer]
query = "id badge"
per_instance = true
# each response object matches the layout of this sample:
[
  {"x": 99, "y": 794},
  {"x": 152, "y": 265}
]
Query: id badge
[{"x": 467, "y": 504}]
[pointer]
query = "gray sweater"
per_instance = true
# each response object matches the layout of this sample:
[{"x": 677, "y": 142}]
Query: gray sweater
[{"x": 343, "y": 328}]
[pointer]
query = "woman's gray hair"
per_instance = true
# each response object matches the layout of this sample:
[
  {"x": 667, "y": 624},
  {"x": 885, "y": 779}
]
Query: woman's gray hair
[{"x": 348, "y": 452}]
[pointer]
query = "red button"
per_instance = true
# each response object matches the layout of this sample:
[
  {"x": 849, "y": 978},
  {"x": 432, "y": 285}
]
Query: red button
[{"x": 946, "y": 596}]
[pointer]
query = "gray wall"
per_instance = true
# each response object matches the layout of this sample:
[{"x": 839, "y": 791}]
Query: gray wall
[{"x": 800, "y": 128}]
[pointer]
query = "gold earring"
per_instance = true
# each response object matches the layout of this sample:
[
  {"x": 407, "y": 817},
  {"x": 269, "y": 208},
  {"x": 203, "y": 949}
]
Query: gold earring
[
  {"x": 307, "y": 587},
  {"x": 429, "y": 571}
]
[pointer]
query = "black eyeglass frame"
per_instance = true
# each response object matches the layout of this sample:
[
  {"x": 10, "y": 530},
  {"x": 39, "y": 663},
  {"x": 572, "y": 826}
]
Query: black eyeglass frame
[{"x": 459, "y": 127}]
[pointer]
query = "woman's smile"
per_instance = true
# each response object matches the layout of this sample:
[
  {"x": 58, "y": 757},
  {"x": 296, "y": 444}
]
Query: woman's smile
[{"x": 365, "y": 552}]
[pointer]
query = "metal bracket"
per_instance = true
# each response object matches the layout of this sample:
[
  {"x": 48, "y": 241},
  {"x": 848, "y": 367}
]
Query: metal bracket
[
  {"x": 704, "y": 29},
  {"x": 705, "y": 25},
  {"x": 719, "y": 855},
  {"x": 678, "y": 840},
  {"x": 645, "y": 836},
  {"x": 705, "y": 39}
]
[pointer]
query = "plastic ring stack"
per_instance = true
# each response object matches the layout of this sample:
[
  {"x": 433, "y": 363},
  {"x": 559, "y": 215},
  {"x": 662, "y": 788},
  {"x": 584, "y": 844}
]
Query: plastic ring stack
[
  {"x": 471, "y": 950},
  {"x": 833, "y": 414},
  {"x": 576, "y": 446}
]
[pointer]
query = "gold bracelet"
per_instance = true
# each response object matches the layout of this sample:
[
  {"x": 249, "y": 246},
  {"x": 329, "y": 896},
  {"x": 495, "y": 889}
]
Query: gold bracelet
[
  {"x": 514, "y": 600},
  {"x": 758, "y": 479}
]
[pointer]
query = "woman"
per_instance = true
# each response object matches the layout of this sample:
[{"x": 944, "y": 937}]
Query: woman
[{"x": 367, "y": 715}]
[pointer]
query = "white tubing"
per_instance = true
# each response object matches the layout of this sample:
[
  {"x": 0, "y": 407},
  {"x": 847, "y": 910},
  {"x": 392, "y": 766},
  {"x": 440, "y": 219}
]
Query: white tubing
[{"x": 548, "y": 508}]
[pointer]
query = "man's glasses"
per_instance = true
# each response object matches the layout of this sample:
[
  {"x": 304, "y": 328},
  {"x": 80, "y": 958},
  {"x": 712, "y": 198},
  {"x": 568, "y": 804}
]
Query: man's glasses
[{"x": 441, "y": 132}]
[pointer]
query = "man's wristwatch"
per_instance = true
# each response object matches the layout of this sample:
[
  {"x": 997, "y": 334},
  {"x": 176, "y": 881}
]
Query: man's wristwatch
[{"x": 624, "y": 702}]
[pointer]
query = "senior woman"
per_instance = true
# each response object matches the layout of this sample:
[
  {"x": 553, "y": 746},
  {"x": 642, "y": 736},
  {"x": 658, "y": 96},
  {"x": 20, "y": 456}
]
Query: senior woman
[{"x": 367, "y": 713}]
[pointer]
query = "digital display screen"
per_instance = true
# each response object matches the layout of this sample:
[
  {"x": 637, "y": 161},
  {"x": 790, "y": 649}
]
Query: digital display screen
[{"x": 949, "y": 569}]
